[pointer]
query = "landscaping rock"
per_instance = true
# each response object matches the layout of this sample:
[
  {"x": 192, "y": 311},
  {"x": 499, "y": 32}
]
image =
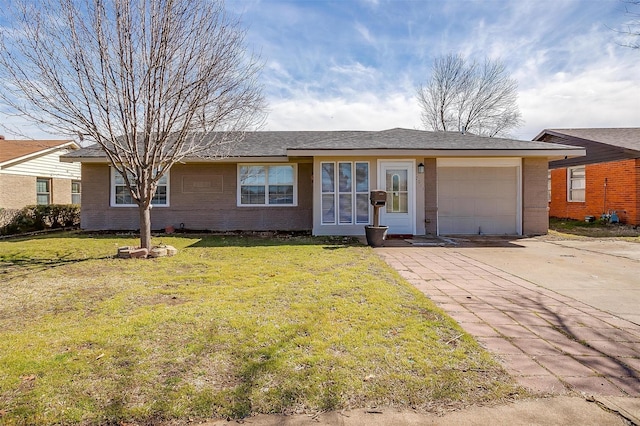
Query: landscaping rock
[
  {"x": 128, "y": 252},
  {"x": 125, "y": 252},
  {"x": 139, "y": 253},
  {"x": 158, "y": 252}
]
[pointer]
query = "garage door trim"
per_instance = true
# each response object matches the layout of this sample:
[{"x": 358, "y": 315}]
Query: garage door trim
[{"x": 486, "y": 162}]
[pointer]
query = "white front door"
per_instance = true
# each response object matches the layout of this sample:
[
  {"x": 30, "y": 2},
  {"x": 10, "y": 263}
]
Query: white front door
[{"x": 398, "y": 179}]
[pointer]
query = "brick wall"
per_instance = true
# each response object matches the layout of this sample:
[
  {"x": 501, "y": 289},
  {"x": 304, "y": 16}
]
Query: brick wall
[
  {"x": 60, "y": 191},
  {"x": 622, "y": 192},
  {"x": 17, "y": 191},
  {"x": 201, "y": 197},
  {"x": 535, "y": 214},
  {"x": 431, "y": 195}
]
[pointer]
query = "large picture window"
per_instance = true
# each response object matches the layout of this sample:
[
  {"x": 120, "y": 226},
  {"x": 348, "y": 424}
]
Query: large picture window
[
  {"x": 120, "y": 196},
  {"x": 267, "y": 185},
  {"x": 345, "y": 193},
  {"x": 576, "y": 182}
]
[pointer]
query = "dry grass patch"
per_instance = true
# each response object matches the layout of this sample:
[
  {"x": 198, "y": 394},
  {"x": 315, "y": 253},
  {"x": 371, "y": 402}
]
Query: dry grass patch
[
  {"x": 231, "y": 326},
  {"x": 569, "y": 228}
]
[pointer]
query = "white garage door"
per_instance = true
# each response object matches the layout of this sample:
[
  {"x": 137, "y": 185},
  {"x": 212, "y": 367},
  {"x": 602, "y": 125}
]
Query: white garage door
[{"x": 478, "y": 200}]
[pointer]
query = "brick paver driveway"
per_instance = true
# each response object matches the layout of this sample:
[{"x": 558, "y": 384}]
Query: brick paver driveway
[{"x": 549, "y": 341}]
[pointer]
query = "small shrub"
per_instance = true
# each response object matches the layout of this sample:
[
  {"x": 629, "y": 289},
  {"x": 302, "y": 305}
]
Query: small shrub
[
  {"x": 41, "y": 217},
  {"x": 7, "y": 215}
]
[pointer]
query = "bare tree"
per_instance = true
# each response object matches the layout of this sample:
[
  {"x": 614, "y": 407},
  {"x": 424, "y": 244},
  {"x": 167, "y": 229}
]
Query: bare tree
[
  {"x": 632, "y": 26},
  {"x": 467, "y": 96},
  {"x": 152, "y": 82}
]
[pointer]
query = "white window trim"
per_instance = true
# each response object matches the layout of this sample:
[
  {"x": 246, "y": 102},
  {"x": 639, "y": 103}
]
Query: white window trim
[
  {"x": 354, "y": 194},
  {"x": 79, "y": 193},
  {"x": 48, "y": 193},
  {"x": 570, "y": 188},
  {"x": 112, "y": 185},
  {"x": 266, "y": 204}
]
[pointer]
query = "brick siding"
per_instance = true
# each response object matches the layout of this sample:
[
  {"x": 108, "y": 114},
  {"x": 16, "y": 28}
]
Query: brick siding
[
  {"x": 17, "y": 191},
  {"x": 622, "y": 192},
  {"x": 431, "y": 195},
  {"x": 60, "y": 191},
  {"x": 535, "y": 211},
  {"x": 214, "y": 209}
]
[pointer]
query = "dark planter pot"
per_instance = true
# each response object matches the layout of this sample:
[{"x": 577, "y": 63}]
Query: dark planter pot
[{"x": 376, "y": 235}]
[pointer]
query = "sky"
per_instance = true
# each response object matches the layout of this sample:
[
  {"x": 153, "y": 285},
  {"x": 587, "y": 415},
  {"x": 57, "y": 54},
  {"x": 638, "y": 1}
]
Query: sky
[{"x": 356, "y": 64}]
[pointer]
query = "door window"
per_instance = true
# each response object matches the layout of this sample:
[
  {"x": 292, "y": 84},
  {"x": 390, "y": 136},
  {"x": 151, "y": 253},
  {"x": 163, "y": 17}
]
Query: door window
[{"x": 397, "y": 191}]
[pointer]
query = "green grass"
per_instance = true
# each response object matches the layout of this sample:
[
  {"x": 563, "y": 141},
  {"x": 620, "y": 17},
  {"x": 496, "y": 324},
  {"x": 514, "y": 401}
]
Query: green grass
[
  {"x": 231, "y": 326},
  {"x": 597, "y": 229}
]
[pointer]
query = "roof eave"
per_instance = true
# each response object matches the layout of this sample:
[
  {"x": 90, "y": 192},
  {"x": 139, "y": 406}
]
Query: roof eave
[
  {"x": 441, "y": 153},
  {"x": 234, "y": 159},
  {"x": 45, "y": 151},
  {"x": 551, "y": 154}
]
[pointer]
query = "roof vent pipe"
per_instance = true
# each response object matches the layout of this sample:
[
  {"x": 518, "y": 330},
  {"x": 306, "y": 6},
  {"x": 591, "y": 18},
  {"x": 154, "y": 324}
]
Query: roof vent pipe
[{"x": 463, "y": 130}]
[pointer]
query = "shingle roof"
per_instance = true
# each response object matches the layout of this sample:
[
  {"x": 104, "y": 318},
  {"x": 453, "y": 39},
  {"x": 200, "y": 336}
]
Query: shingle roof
[
  {"x": 628, "y": 137},
  {"x": 14, "y": 149},
  {"x": 278, "y": 143},
  {"x": 406, "y": 139}
]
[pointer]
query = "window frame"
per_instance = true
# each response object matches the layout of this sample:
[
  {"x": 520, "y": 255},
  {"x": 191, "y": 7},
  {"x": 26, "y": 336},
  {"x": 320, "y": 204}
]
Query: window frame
[
  {"x": 572, "y": 189},
  {"x": 77, "y": 183},
  {"x": 112, "y": 184},
  {"x": 337, "y": 193},
  {"x": 47, "y": 193},
  {"x": 266, "y": 185}
]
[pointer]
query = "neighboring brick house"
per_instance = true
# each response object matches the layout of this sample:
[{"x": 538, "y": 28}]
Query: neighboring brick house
[
  {"x": 605, "y": 181},
  {"x": 31, "y": 173},
  {"x": 437, "y": 183}
]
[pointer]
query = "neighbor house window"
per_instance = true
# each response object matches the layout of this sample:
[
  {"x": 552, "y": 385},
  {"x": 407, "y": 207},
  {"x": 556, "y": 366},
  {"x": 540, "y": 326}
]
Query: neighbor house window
[
  {"x": 267, "y": 185},
  {"x": 120, "y": 196},
  {"x": 75, "y": 192},
  {"x": 549, "y": 186},
  {"x": 43, "y": 191},
  {"x": 345, "y": 193},
  {"x": 576, "y": 183}
]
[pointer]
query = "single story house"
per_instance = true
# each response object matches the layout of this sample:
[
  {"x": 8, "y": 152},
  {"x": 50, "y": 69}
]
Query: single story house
[
  {"x": 31, "y": 173},
  {"x": 320, "y": 181},
  {"x": 605, "y": 181}
]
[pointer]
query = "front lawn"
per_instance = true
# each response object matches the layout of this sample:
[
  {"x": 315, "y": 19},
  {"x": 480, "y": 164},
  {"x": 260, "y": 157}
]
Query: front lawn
[
  {"x": 231, "y": 326},
  {"x": 596, "y": 229}
]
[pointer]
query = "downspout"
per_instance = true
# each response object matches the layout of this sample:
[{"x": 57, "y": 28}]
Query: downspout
[{"x": 604, "y": 202}]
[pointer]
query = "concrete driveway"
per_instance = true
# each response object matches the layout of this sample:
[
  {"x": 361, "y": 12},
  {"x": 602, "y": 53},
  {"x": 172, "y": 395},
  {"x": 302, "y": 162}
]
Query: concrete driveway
[
  {"x": 562, "y": 316},
  {"x": 603, "y": 274}
]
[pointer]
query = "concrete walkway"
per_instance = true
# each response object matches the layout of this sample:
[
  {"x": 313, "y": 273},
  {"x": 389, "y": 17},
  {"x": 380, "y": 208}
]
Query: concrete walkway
[{"x": 549, "y": 342}]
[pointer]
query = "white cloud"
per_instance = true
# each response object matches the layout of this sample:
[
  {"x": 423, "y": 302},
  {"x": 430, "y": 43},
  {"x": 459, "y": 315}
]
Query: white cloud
[
  {"x": 365, "y": 112},
  {"x": 355, "y": 70},
  {"x": 594, "y": 98},
  {"x": 365, "y": 33}
]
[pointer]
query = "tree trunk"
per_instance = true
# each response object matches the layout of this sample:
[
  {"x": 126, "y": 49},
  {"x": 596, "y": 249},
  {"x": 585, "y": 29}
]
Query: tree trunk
[{"x": 145, "y": 227}]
